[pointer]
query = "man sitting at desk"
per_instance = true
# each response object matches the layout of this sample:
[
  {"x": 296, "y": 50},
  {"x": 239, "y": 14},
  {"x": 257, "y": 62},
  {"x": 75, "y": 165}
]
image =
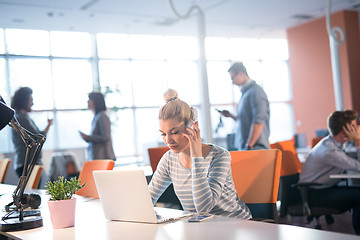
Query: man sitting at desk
[{"x": 327, "y": 158}]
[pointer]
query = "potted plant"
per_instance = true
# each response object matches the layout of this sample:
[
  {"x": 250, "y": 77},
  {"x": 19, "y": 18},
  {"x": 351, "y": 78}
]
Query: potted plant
[{"x": 61, "y": 203}]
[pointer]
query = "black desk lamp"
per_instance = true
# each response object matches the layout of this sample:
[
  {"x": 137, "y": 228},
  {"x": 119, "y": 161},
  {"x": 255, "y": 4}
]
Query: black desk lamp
[{"x": 18, "y": 219}]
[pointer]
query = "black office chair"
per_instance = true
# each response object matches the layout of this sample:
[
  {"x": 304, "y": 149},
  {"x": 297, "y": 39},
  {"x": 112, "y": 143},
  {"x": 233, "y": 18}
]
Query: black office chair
[{"x": 313, "y": 211}]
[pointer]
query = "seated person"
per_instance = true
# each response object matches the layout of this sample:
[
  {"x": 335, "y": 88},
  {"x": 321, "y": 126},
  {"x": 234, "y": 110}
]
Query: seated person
[
  {"x": 327, "y": 158},
  {"x": 200, "y": 173}
]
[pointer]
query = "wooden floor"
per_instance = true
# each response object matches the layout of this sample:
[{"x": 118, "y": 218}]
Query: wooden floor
[{"x": 342, "y": 224}]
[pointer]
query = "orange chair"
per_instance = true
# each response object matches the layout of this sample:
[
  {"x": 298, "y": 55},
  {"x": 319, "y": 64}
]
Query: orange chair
[
  {"x": 315, "y": 141},
  {"x": 155, "y": 155},
  {"x": 86, "y": 176},
  {"x": 256, "y": 176},
  {"x": 290, "y": 197},
  {"x": 168, "y": 196},
  {"x": 35, "y": 176},
  {"x": 4, "y": 166}
]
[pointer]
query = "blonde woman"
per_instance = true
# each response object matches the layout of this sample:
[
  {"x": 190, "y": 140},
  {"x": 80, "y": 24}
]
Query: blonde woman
[{"x": 200, "y": 173}]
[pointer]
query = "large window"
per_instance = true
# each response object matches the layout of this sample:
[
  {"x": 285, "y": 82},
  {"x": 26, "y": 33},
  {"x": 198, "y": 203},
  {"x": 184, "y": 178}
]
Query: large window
[{"x": 133, "y": 71}]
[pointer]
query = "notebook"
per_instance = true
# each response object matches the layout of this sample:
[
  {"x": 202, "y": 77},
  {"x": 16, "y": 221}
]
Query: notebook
[{"x": 124, "y": 196}]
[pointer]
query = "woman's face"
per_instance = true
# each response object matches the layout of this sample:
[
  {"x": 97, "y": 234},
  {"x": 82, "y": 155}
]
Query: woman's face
[
  {"x": 91, "y": 105},
  {"x": 172, "y": 134},
  {"x": 29, "y": 104}
]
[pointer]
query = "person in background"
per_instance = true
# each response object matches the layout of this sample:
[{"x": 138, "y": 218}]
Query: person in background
[
  {"x": 328, "y": 157},
  {"x": 200, "y": 173},
  {"x": 253, "y": 112},
  {"x": 100, "y": 142},
  {"x": 21, "y": 102}
]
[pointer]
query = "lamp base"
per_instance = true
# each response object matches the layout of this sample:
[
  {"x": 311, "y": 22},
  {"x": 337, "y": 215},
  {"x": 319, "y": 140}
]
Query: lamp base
[
  {"x": 14, "y": 224},
  {"x": 26, "y": 213}
]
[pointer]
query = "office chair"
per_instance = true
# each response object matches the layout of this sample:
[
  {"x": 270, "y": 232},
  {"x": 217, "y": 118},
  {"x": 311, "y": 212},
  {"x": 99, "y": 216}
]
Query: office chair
[
  {"x": 63, "y": 164},
  {"x": 4, "y": 166},
  {"x": 315, "y": 141},
  {"x": 155, "y": 155},
  {"x": 256, "y": 176},
  {"x": 168, "y": 195},
  {"x": 294, "y": 196},
  {"x": 86, "y": 176},
  {"x": 289, "y": 196},
  {"x": 34, "y": 179},
  {"x": 315, "y": 212}
]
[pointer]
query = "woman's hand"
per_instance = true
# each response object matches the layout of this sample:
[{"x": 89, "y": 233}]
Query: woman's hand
[
  {"x": 83, "y": 136},
  {"x": 193, "y": 135}
]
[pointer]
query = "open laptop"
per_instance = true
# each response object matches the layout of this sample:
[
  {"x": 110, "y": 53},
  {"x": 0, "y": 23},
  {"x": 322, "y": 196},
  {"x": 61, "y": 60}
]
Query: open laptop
[{"x": 124, "y": 196}]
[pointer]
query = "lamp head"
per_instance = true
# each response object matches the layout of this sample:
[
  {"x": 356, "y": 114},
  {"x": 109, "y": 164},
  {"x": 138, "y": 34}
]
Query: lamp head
[{"x": 6, "y": 114}]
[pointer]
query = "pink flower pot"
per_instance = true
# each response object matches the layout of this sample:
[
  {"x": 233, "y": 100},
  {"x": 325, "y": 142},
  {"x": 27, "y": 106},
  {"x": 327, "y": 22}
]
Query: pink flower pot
[{"x": 62, "y": 213}]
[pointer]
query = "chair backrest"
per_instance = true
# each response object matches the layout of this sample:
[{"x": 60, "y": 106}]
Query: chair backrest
[
  {"x": 315, "y": 141},
  {"x": 35, "y": 177},
  {"x": 4, "y": 166},
  {"x": 155, "y": 155},
  {"x": 289, "y": 196},
  {"x": 86, "y": 176},
  {"x": 290, "y": 161},
  {"x": 256, "y": 177}
]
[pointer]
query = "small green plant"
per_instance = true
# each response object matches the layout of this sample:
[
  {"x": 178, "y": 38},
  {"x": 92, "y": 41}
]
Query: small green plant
[{"x": 63, "y": 189}]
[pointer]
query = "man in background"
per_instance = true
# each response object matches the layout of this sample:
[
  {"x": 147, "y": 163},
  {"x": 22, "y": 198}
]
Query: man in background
[
  {"x": 253, "y": 112},
  {"x": 328, "y": 157}
]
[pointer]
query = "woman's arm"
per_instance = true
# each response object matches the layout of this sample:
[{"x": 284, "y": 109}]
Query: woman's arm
[
  {"x": 208, "y": 180},
  {"x": 160, "y": 179},
  {"x": 102, "y": 130},
  {"x": 208, "y": 176}
]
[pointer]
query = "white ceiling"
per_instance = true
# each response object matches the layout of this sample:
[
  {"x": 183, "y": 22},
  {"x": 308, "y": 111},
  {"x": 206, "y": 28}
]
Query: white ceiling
[{"x": 235, "y": 18}]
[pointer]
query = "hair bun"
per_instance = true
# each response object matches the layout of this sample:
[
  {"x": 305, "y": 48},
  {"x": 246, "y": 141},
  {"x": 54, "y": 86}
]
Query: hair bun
[{"x": 170, "y": 95}]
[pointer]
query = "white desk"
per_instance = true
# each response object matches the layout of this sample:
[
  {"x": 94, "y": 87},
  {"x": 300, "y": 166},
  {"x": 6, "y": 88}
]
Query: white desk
[
  {"x": 91, "y": 224},
  {"x": 346, "y": 175}
]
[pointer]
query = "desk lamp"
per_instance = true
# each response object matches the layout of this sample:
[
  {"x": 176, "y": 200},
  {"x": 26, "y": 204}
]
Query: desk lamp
[{"x": 18, "y": 219}]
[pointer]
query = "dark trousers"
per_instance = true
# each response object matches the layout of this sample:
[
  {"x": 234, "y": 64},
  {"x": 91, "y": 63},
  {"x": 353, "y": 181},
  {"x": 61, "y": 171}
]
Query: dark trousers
[{"x": 342, "y": 198}]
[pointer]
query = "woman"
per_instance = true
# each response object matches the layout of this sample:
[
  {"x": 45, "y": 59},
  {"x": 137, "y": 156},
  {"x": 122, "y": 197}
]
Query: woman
[
  {"x": 100, "y": 143},
  {"x": 200, "y": 173},
  {"x": 22, "y": 101}
]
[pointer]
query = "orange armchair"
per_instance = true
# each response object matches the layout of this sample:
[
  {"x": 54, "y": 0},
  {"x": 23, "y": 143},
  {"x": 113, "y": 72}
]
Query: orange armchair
[
  {"x": 289, "y": 196},
  {"x": 155, "y": 155},
  {"x": 256, "y": 176},
  {"x": 86, "y": 176}
]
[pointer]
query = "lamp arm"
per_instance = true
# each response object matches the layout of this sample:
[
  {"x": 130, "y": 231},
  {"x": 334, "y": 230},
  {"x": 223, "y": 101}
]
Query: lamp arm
[{"x": 30, "y": 140}]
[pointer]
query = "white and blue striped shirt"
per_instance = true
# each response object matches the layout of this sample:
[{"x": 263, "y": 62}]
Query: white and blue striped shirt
[{"x": 205, "y": 187}]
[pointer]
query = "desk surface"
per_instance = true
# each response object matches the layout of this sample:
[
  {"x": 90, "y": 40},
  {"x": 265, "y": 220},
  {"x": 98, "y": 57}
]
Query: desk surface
[
  {"x": 346, "y": 175},
  {"x": 90, "y": 223}
]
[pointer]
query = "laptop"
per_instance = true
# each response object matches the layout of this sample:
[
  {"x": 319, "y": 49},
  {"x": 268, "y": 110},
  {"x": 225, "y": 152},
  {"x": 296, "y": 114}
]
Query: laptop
[{"x": 124, "y": 196}]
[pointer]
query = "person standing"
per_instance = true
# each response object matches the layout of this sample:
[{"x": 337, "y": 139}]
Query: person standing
[
  {"x": 253, "y": 112},
  {"x": 100, "y": 142},
  {"x": 21, "y": 102}
]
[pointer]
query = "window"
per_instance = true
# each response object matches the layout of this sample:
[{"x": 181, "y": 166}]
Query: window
[
  {"x": 115, "y": 80},
  {"x": 113, "y": 45},
  {"x": 72, "y": 83},
  {"x": 217, "y": 48},
  {"x": 146, "y": 47},
  {"x": 2, "y": 43},
  {"x": 27, "y": 42},
  {"x": 181, "y": 48},
  {"x": 70, "y": 44},
  {"x": 133, "y": 71},
  {"x": 34, "y": 73}
]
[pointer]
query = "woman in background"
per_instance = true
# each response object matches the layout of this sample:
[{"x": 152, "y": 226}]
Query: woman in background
[
  {"x": 200, "y": 173},
  {"x": 100, "y": 143},
  {"x": 21, "y": 102}
]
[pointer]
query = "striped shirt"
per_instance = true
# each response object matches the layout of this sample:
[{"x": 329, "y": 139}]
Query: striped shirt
[{"x": 205, "y": 187}]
